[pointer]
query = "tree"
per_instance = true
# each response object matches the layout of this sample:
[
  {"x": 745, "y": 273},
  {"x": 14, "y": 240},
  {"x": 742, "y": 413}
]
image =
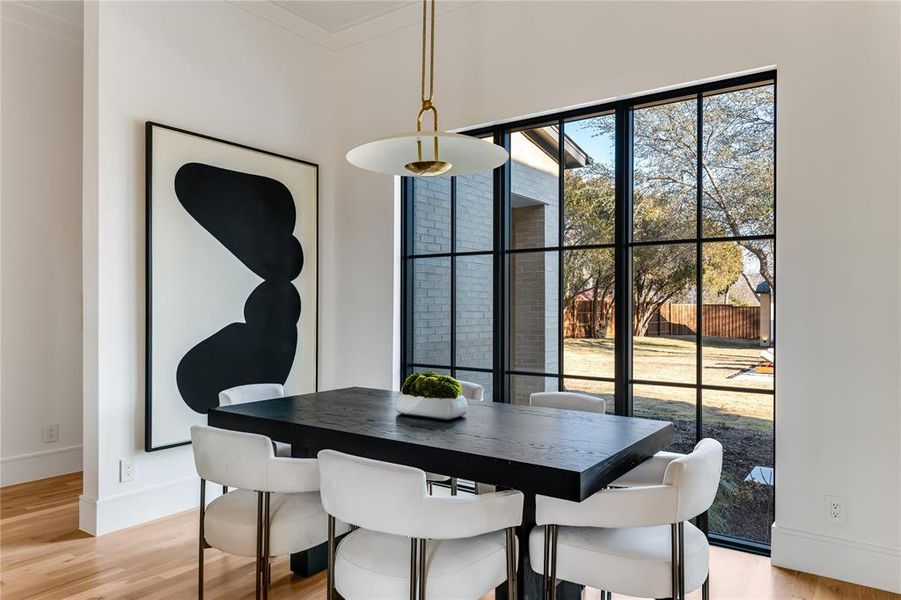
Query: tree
[
  {"x": 737, "y": 167},
  {"x": 589, "y": 219},
  {"x": 660, "y": 274}
]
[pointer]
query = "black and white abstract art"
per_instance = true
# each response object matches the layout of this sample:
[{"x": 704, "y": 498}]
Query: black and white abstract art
[{"x": 231, "y": 276}]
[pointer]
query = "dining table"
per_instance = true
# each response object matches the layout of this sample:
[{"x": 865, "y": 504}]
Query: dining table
[{"x": 539, "y": 451}]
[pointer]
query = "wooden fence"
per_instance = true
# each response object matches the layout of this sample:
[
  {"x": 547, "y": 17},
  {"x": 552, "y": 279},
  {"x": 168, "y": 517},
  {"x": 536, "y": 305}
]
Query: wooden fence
[{"x": 720, "y": 320}]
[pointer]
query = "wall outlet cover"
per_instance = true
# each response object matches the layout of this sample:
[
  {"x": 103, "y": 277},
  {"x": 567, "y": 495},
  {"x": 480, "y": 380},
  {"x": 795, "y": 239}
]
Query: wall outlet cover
[
  {"x": 126, "y": 470},
  {"x": 51, "y": 433},
  {"x": 835, "y": 509}
]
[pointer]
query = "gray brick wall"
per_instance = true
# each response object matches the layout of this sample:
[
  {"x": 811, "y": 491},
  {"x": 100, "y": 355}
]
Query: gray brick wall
[{"x": 534, "y": 335}]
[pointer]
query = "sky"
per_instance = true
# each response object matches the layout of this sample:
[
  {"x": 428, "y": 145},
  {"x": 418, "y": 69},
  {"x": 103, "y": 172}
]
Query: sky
[{"x": 599, "y": 147}]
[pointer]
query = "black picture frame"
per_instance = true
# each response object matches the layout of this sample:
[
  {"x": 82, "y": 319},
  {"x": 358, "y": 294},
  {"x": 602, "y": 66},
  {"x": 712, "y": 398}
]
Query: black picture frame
[{"x": 149, "y": 127}]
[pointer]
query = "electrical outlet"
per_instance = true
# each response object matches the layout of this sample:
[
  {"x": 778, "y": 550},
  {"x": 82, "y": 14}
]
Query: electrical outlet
[
  {"x": 835, "y": 510},
  {"x": 126, "y": 470},
  {"x": 51, "y": 433}
]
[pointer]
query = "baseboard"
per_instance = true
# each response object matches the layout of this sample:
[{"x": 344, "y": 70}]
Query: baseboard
[
  {"x": 40, "y": 465},
  {"x": 857, "y": 562},
  {"x": 98, "y": 517}
]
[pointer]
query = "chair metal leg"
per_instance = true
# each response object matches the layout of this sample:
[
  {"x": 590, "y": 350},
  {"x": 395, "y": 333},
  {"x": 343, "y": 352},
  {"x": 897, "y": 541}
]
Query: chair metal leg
[
  {"x": 674, "y": 560},
  {"x": 475, "y": 487},
  {"x": 224, "y": 490},
  {"x": 553, "y": 578},
  {"x": 201, "y": 543},
  {"x": 422, "y": 569},
  {"x": 428, "y": 485},
  {"x": 414, "y": 551},
  {"x": 453, "y": 486},
  {"x": 259, "y": 563},
  {"x": 705, "y": 589},
  {"x": 511, "y": 563},
  {"x": 546, "y": 573},
  {"x": 330, "y": 585},
  {"x": 266, "y": 566},
  {"x": 682, "y": 561}
]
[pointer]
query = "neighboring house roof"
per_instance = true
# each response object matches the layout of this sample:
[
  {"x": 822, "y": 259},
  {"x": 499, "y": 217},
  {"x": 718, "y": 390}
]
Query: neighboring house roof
[{"x": 548, "y": 139}]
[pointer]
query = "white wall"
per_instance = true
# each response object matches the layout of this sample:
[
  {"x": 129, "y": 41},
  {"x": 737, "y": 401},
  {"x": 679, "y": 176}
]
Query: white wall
[
  {"x": 837, "y": 409},
  {"x": 208, "y": 67},
  {"x": 218, "y": 69},
  {"x": 40, "y": 241}
]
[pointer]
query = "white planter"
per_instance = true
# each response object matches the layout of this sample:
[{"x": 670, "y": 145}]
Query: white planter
[{"x": 432, "y": 408}]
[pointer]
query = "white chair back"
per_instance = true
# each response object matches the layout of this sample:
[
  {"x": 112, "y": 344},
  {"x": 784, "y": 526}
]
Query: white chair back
[
  {"x": 569, "y": 400},
  {"x": 231, "y": 458},
  {"x": 368, "y": 493},
  {"x": 472, "y": 391},
  {"x": 247, "y": 461},
  {"x": 391, "y": 498},
  {"x": 250, "y": 393},
  {"x": 696, "y": 477}
]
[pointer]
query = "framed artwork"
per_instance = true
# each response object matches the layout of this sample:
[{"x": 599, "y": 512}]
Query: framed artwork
[{"x": 232, "y": 276}]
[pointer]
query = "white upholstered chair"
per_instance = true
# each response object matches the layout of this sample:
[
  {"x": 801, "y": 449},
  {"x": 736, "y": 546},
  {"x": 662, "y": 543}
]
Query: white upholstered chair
[
  {"x": 569, "y": 400},
  {"x": 471, "y": 391},
  {"x": 634, "y": 540},
  {"x": 275, "y": 509},
  {"x": 408, "y": 543},
  {"x": 254, "y": 392}
]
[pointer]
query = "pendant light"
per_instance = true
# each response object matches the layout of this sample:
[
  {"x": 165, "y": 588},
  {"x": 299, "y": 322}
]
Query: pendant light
[{"x": 428, "y": 153}]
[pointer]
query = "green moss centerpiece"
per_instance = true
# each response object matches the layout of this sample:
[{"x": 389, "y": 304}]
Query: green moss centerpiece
[{"x": 433, "y": 396}]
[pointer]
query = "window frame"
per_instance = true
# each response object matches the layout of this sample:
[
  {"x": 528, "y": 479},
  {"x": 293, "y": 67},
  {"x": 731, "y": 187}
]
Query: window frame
[{"x": 623, "y": 246}]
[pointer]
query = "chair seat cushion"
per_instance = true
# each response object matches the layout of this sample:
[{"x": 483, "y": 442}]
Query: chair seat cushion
[
  {"x": 297, "y": 522},
  {"x": 634, "y": 561},
  {"x": 436, "y": 477},
  {"x": 374, "y": 565}
]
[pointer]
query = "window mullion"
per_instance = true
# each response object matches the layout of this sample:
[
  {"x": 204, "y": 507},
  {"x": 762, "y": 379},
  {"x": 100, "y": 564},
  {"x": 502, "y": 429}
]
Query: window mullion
[
  {"x": 623, "y": 268},
  {"x": 561, "y": 160},
  {"x": 699, "y": 269}
]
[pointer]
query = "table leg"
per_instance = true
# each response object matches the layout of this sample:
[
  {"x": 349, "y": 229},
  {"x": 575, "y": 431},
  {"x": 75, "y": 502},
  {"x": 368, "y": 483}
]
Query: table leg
[
  {"x": 309, "y": 562},
  {"x": 529, "y": 584},
  {"x": 315, "y": 560}
]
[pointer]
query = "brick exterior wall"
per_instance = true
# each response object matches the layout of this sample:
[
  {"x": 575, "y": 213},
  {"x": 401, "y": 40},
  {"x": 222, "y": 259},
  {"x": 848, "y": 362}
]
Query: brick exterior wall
[{"x": 534, "y": 277}]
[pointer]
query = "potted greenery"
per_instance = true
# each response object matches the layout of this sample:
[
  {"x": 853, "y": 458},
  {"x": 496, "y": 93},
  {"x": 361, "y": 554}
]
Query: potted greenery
[{"x": 432, "y": 395}]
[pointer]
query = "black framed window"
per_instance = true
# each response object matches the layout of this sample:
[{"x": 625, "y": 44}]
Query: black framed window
[{"x": 626, "y": 250}]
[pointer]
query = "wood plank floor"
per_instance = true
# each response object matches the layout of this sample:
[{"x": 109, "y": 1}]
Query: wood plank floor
[{"x": 43, "y": 555}]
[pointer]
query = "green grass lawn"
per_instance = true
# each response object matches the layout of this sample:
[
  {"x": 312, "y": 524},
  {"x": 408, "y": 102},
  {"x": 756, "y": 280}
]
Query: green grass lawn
[{"x": 673, "y": 360}]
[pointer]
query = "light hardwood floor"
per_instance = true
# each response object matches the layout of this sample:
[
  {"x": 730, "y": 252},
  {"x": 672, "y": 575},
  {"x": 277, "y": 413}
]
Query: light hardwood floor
[{"x": 43, "y": 555}]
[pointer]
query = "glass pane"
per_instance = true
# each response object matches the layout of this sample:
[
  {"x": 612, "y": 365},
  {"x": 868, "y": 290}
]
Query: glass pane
[
  {"x": 601, "y": 389},
  {"x": 431, "y": 311},
  {"x": 523, "y": 386},
  {"x": 665, "y": 171},
  {"x": 739, "y": 163},
  {"x": 589, "y": 181},
  {"x": 431, "y": 215},
  {"x": 431, "y": 370},
  {"x": 486, "y": 380},
  {"x": 738, "y": 314},
  {"x": 534, "y": 312},
  {"x": 534, "y": 187},
  {"x": 588, "y": 312},
  {"x": 475, "y": 211},
  {"x": 475, "y": 323},
  {"x": 743, "y": 423},
  {"x": 664, "y": 313},
  {"x": 669, "y": 404}
]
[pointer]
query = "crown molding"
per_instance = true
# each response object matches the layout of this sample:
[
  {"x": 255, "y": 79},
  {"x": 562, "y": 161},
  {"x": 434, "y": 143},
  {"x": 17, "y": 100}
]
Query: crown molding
[
  {"x": 355, "y": 34},
  {"x": 40, "y": 17}
]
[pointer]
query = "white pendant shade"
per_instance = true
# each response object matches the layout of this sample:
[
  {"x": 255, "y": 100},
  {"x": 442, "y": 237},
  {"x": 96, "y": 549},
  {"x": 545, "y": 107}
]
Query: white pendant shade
[{"x": 465, "y": 154}]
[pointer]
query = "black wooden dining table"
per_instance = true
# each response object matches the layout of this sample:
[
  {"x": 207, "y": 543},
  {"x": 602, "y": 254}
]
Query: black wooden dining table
[{"x": 553, "y": 452}]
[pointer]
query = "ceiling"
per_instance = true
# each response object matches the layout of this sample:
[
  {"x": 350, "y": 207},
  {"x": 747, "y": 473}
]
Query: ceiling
[{"x": 337, "y": 15}]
